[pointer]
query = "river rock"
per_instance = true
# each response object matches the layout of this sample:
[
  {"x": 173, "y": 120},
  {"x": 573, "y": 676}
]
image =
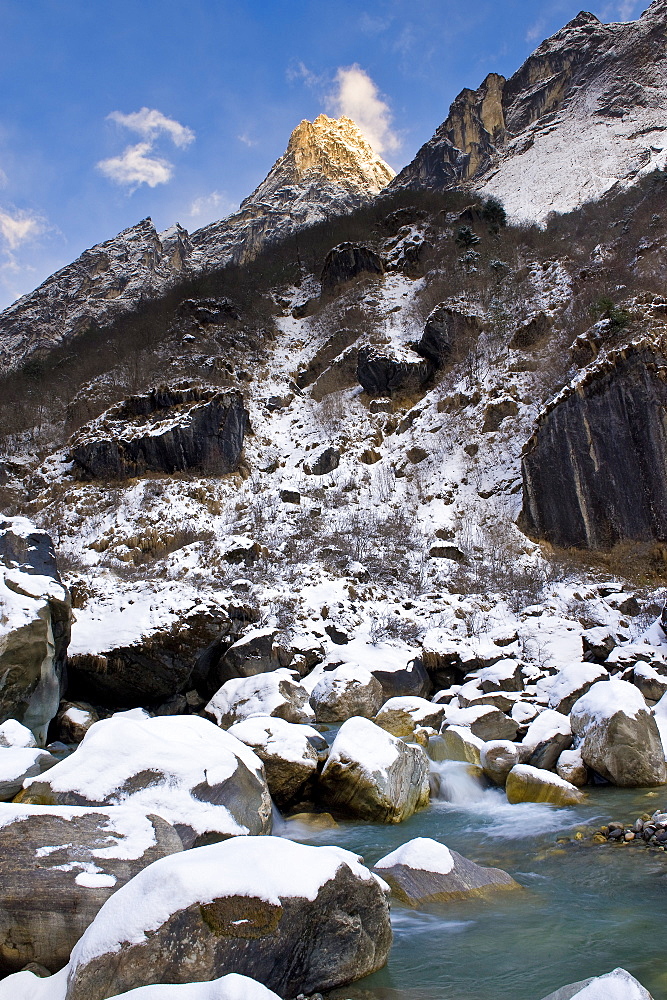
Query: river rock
[
  {"x": 616, "y": 985},
  {"x": 570, "y": 766},
  {"x": 73, "y": 720},
  {"x": 548, "y": 735},
  {"x": 618, "y": 736},
  {"x": 202, "y": 780},
  {"x": 532, "y": 784},
  {"x": 346, "y": 691},
  {"x": 401, "y": 676},
  {"x": 484, "y": 721},
  {"x": 19, "y": 763},
  {"x": 401, "y": 716},
  {"x": 373, "y": 775},
  {"x": 299, "y": 919},
  {"x": 290, "y": 754},
  {"x": 497, "y": 758},
  {"x": 348, "y": 262},
  {"x": 35, "y": 621},
  {"x": 456, "y": 743},
  {"x": 254, "y": 653},
  {"x": 277, "y": 694},
  {"x": 172, "y": 428},
  {"x": 58, "y": 865},
  {"x": 571, "y": 682},
  {"x": 425, "y": 871}
]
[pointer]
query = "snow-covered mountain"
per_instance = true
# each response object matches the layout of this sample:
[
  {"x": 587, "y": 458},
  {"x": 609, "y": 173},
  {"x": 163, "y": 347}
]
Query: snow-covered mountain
[
  {"x": 585, "y": 113},
  {"x": 329, "y": 169}
]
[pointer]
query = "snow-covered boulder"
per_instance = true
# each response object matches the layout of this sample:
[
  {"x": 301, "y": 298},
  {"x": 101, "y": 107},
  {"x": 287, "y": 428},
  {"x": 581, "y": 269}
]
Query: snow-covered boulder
[
  {"x": 296, "y": 918},
  {"x": 58, "y": 865},
  {"x": 571, "y": 767},
  {"x": 199, "y": 778},
  {"x": 27, "y": 986},
  {"x": 547, "y": 736},
  {"x": 571, "y": 682},
  {"x": 254, "y": 653},
  {"x": 505, "y": 675},
  {"x": 401, "y": 716},
  {"x": 289, "y": 752},
  {"x": 13, "y": 734},
  {"x": 277, "y": 694},
  {"x": 484, "y": 721},
  {"x": 373, "y": 775},
  {"x": 344, "y": 692},
  {"x": 497, "y": 758},
  {"x": 425, "y": 871},
  {"x": 19, "y": 763},
  {"x": 35, "y": 617},
  {"x": 532, "y": 784},
  {"x": 651, "y": 683},
  {"x": 616, "y": 985},
  {"x": 73, "y": 720},
  {"x": 618, "y": 736}
]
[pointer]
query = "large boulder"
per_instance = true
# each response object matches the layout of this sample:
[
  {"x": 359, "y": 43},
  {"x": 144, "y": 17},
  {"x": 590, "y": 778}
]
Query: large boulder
[
  {"x": 532, "y": 784},
  {"x": 385, "y": 371},
  {"x": 448, "y": 329},
  {"x": 547, "y": 736},
  {"x": 373, "y": 775},
  {"x": 290, "y": 754},
  {"x": 618, "y": 736},
  {"x": 58, "y": 865},
  {"x": 348, "y": 262},
  {"x": 425, "y": 871},
  {"x": 401, "y": 716},
  {"x": 346, "y": 691},
  {"x": 616, "y": 985},
  {"x": 497, "y": 758},
  {"x": 583, "y": 484},
  {"x": 19, "y": 763},
  {"x": 296, "y": 918},
  {"x": 456, "y": 743},
  {"x": 277, "y": 694},
  {"x": 254, "y": 653},
  {"x": 484, "y": 721},
  {"x": 202, "y": 780},
  {"x": 35, "y": 621},
  {"x": 571, "y": 682},
  {"x": 169, "y": 429}
]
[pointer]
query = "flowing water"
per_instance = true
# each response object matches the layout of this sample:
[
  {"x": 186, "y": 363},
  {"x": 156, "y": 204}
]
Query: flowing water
[{"x": 585, "y": 908}]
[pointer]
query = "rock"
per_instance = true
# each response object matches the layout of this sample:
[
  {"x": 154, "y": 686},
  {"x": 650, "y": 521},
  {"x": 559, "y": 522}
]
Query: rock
[
  {"x": 383, "y": 371},
  {"x": 531, "y": 332},
  {"x": 496, "y": 411},
  {"x": 58, "y": 865},
  {"x": 582, "y": 484},
  {"x": 324, "y": 462},
  {"x": 647, "y": 680},
  {"x": 456, "y": 743},
  {"x": 13, "y": 734},
  {"x": 401, "y": 716},
  {"x": 373, "y": 775},
  {"x": 254, "y": 653},
  {"x": 73, "y": 720},
  {"x": 199, "y": 778},
  {"x": 571, "y": 682},
  {"x": 425, "y": 871},
  {"x": 618, "y": 737},
  {"x": 35, "y": 621},
  {"x": 239, "y": 549},
  {"x": 505, "y": 675},
  {"x": 347, "y": 262},
  {"x": 570, "y": 766},
  {"x": 348, "y": 690},
  {"x": 290, "y": 754},
  {"x": 618, "y": 983},
  {"x": 290, "y": 496},
  {"x": 598, "y": 643},
  {"x": 277, "y": 694},
  {"x": 297, "y": 918},
  {"x": 402, "y": 679},
  {"x": 533, "y": 784},
  {"x": 448, "y": 328},
  {"x": 19, "y": 763},
  {"x": 547, "y": 736},
  {"x": 484, "y": 721},
  {"x": 497, "y": 758}
]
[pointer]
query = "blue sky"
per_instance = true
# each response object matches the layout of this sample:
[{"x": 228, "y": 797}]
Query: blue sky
[{"x": 177, "y": 109}]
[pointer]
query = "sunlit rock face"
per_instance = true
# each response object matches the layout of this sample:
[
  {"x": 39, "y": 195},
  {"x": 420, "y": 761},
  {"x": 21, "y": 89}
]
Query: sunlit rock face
[{"x": 583, "y": 114}]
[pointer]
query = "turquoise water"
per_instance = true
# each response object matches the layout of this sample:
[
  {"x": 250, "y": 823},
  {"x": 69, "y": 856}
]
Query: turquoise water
[{"x": 585, "y": 909}]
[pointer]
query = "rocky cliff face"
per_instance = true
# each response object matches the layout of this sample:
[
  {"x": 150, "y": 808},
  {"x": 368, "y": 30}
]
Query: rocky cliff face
[
  {"x": 328, "y": 169},
  {"x": 594, "y": 470},
  {"x": 584, "y": 113}
]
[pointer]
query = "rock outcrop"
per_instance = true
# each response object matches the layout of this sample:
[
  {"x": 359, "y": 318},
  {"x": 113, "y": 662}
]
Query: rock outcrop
[
  {"x": 170, "y": 429},
  {"x": 348, "y": 262},
  {"x": 389, "y": 371},
  {"x": 594, "y": 469}
]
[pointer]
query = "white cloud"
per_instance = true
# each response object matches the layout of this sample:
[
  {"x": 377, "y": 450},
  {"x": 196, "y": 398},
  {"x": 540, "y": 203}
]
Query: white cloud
[
  {"x": 213, "y": 206},
  {"x": 4, "y": 180},
  {"x": 150, "y": 123},
  {"x": 357, "y": 97},
  {"x": 18, "y": 227},
  {"x": 624, "y": 10},
  {"x": 246, "y": 139},
  {"x": 135, "y": 166}
]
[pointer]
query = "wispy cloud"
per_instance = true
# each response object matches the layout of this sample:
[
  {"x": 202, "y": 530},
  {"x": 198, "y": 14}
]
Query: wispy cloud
[
  {"x": 299, "y": 71},
  {"x": 139, "y": 164},
  {"x": 18, "y": 227},
  {"x": 357, "y": 96},
  {"x": 135, "y": 166},
  {"x": 150, "y": 123},
  {"x": 215, "y": 205},
  {"x": 247, "y": 139},
  {"x": 621, "y": 10}
]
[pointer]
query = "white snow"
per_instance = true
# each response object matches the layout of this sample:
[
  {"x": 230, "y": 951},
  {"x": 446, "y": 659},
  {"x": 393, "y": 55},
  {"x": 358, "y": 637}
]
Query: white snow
[
  {"x": 268, "y": 868},
  {"x": 616, "y": 985},
  {"x": 288, "y": 740},
  {"x": 660, "y": 713},
  {"x": 361, "y": 741},
  {"x": 570, "y": 678},
  {"x": 128, "y": 830},
  {"x": 548, "y": 724},
  {"x": 94, "y": 880},
  {"x": 229, "y": 987},
  {"x": 246, "y": 697},
  {"x": 13, "y": 734},
  {"x": 422, "y": 854},
  {"x": 605, "y": 698},
  {"x": 545, "y": 777},
  {"x": 16, "y": 762}
]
